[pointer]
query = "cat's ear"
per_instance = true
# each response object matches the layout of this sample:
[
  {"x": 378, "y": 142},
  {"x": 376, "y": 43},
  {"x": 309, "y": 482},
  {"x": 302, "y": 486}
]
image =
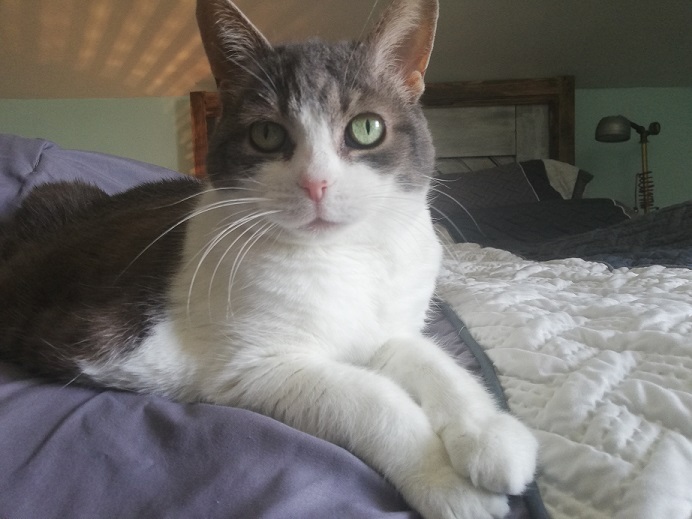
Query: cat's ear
[
  {"x": 230, "y": 40},
  {"x": 402, "y": 41}
]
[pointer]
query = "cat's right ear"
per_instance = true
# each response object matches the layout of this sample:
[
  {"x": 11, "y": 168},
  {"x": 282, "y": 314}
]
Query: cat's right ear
[
  {"x": 230, "y": 40},
  {"x": 402, "y": 41}
]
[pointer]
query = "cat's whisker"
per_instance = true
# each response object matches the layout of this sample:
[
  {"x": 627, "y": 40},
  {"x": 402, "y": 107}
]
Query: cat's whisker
[
  {"x": 249, "y": 218},
  {"x": 194, "y": 214},
  {"x": 356, "y": 45},
  {"x": 209, "y": 246},
  {"x": 257, "y": 63},
  {"x": 236, "y": 218},
  {"x": 367, "y": 21},
  {"x": 451, "y": 222},
  {"x": 254, "y": 180},
  {"x": 267, "y": 81},
  {"x": 459, "y": 204},
  {"x": 241, "y": 256},
  {"x": 401, "y": 216},
  {"x": 357, "y": 72},
  {"x": 404, "y": 219},
  {"x": 439, "y": 180},
  {"x": 449, "y": 248},
  {"x": 71, "y": 381},
  {"x": 232, "y": 220},
  {"x": 245, "y": 249},
  {"x": 210, "y": 189},
  {"x": 220, "y": 235},
  {"x": 239, "y": 53}
]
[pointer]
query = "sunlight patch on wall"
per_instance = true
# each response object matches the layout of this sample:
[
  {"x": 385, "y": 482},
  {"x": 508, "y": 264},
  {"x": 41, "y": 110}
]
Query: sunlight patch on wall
[
  {"x": 56, "y": 26},
  {"x": 100, "y": 48},
  {"x": 139, "y": 48},
  {"x": 175, "y": 66},
  {"x": 167, "y": 36},
  {"x": 129, "y": 34},
  {"x": 97, "y": 21}
]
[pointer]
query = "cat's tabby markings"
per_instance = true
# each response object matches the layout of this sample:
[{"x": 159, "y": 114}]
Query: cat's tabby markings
[{"x": 295, "y": 282}]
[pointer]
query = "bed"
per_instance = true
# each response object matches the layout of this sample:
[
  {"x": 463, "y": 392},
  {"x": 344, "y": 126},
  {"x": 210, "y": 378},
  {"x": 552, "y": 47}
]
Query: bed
[{"x": 577, "y": 317}]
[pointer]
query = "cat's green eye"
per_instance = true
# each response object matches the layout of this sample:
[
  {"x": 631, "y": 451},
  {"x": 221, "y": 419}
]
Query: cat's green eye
[
  {"x": 365, "y": 131},
  {"x": 267, "y": 136}
]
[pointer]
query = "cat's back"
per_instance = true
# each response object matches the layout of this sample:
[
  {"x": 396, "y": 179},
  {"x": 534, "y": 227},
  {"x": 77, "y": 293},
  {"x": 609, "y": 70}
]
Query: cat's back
[
  {"x": 78, "y": 265},
  {"x": 76, "y": 223}
]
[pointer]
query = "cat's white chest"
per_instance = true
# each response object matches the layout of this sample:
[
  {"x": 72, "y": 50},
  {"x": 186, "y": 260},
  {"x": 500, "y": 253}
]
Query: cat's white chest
[{"x": 342, "y": 299}]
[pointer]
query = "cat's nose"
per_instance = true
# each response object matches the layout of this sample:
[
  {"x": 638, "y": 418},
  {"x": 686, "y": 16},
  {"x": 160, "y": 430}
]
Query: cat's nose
[{"x": 315, "y": 189}]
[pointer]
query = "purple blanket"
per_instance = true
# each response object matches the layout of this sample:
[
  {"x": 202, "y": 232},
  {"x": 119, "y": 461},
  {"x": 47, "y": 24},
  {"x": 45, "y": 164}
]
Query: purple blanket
[{"x": 80, "y": 453}]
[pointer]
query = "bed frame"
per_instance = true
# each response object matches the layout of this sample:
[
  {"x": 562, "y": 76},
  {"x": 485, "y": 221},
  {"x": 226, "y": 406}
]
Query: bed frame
[{"x": 475, "y": 124}]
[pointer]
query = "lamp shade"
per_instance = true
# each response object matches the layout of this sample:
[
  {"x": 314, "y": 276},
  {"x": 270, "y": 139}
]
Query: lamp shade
[{"x": 614, "y": 128}]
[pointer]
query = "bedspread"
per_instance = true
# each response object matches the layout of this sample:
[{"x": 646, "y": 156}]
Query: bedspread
[
  {"x": 598, "y": 362},
  {"x": 659, "y": 238}
]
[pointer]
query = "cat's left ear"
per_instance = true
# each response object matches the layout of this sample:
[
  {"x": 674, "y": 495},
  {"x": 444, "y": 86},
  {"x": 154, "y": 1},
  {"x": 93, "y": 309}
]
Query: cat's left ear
[
  {"x": 402, "y": 42},
  {"x": 230, "y": 40}
]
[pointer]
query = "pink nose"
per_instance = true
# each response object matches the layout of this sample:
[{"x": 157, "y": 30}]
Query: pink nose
[{"x": 315, "y": 189}]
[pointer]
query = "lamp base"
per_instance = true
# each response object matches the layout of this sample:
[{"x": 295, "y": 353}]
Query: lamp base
[{"x": 644, "y": 192}]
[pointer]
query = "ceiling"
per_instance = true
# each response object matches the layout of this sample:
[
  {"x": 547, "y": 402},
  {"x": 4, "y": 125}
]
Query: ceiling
[{"x": 139, "y": 48}]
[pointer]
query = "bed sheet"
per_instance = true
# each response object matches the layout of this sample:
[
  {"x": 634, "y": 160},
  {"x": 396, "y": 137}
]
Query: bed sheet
[{"x": 598, "y": 362}]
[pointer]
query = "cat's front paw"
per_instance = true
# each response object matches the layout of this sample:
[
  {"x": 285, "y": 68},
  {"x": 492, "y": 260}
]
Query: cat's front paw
[
  {"x": 499, "y": 455},
  {"x": 443, "y": 494}
]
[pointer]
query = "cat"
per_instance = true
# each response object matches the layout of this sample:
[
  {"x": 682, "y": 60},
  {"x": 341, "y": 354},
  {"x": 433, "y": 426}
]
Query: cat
[{"x": 294, "y": 282}]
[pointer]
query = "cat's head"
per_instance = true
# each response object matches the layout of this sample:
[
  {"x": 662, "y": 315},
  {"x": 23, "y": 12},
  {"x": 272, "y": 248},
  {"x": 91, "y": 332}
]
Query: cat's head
[{"x": 323, "y": 135}]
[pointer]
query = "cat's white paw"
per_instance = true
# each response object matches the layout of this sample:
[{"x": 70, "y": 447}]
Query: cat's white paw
[
  {"x": 445, "y": 495},
  {"x": 500, "y": 455}
]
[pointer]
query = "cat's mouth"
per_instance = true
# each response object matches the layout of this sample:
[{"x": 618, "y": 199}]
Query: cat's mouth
[
  {"x": 319, "y": 225},
  {"x": 306, "y": 219}
]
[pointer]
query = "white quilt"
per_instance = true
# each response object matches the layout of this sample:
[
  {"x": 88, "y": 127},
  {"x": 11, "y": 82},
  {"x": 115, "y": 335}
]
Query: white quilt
[{"x": 599, "y": 364}]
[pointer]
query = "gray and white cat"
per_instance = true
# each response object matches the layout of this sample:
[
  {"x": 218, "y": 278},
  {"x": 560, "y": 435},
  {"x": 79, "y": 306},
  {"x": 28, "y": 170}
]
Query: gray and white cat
[{"x": 295, "y": 282}]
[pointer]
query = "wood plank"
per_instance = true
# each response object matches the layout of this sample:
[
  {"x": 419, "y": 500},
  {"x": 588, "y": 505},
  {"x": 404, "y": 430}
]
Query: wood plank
[
  {"x": 533, "y": 132},
  {"x": 472, "y": 131},
  {"x": 205, "y": 108}
]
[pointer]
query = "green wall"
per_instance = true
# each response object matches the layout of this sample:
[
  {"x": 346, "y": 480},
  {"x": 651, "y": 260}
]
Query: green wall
[
  {"x": 614, "y": 165},
  {"x": 154, "y": 130},
  {"x": 157, "y": 130}
]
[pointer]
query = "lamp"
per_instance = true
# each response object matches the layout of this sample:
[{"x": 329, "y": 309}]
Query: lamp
[{"x": 616, "y": 128}]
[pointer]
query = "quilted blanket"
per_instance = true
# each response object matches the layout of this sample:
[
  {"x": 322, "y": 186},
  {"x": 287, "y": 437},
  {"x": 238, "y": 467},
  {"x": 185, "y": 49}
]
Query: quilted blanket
[{"x": 598, "y": 362}]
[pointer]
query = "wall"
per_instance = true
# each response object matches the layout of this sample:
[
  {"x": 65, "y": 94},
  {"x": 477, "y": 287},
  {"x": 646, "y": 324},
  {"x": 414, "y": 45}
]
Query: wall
[
  {"x": 615, "y": 164},
  {"x": 152, "y": 129}
]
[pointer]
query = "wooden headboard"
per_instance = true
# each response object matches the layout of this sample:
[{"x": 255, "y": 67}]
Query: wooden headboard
[{"x": 475, "y": 124}]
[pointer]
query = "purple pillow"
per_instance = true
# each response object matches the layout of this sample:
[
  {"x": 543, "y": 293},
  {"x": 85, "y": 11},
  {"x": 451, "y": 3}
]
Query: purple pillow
[{"x": 26, "y": 163}]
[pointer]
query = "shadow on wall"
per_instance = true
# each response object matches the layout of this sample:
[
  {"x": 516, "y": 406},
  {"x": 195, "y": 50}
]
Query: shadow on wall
[
  {"x": 100, "y": 48},
  {"x": 138, "y": 48}
]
